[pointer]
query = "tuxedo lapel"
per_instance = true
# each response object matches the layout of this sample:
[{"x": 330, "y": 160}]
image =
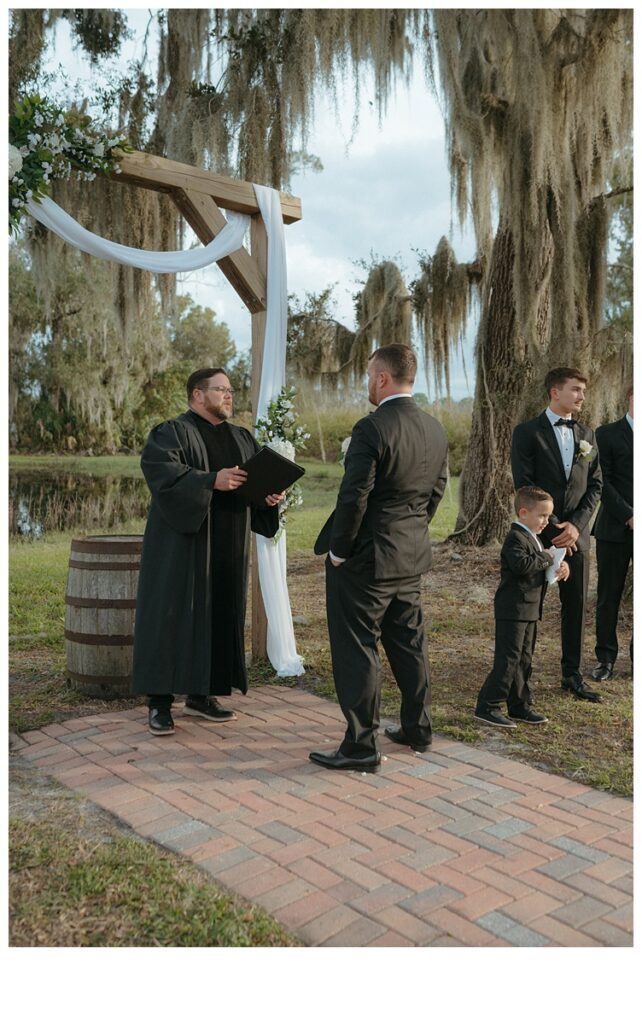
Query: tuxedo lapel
[
  {"x": 576, "y": 446},
  {"x": 627, "y": 433},
  {"x": 549, "y": 436},
  {"x": 527, "y": 537}
]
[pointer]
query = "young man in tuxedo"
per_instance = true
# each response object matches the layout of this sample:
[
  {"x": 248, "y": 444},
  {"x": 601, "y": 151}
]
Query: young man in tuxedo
[
  {"x": 378, "y": 546},
  {"x": 518, "y": 609},
  {"x": 613, "y": 532},
  {"x": 558, "y": 454}
]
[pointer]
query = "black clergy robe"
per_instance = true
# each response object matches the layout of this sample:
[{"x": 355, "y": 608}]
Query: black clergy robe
[{"x": 192, "y": 589}]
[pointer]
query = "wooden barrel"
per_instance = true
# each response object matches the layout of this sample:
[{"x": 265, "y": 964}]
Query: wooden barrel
[{"x": 100, "y": 607}]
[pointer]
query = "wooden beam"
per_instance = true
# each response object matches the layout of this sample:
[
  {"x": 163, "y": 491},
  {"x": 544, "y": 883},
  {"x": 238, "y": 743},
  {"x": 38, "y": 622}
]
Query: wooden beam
[
  {"x": 241, "y": 269},
  {"x": 259, "y": 246},
  {"x": 162, "y": 175}
]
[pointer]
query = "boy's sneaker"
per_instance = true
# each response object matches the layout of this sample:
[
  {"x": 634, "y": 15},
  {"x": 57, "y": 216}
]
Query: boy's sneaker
[
  {"x": 160, "y": 722},
  {"x": 494, "y": 717},
  {"x": 530, "y": 717},
  {"x": 207, "y": 707}
]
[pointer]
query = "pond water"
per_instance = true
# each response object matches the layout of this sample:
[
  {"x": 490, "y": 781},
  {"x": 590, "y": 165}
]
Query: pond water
[{"x": 45, "y": 501}]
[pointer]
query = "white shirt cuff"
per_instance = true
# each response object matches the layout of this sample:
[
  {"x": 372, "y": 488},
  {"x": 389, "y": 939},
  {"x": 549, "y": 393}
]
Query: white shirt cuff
[{"x": 333, "y": 556}]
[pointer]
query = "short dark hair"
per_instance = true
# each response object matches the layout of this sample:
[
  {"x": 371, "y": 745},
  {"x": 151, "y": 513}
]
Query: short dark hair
[
  {"x": 399, "y": 360},
  {"x": 529, "y": 497},
  {"x": 557, "y": 378},
  {"x": 629, "y": 392},
  {"x": 199, "y": 376}
]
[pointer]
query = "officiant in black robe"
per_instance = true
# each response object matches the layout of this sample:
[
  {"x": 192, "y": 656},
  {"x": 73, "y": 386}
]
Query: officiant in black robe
[{"x": 192, "y": 589}]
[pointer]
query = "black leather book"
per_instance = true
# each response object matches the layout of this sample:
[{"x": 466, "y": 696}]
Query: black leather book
[{"x": 268, "y": 473}]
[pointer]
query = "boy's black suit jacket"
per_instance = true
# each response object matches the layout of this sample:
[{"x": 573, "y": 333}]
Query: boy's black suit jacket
[
  {"x": 615, "y": 444},
  {"x": 522, "y": 587},
  {"x": 536, "y": 460},
  {"x": 396, "y": 473}
]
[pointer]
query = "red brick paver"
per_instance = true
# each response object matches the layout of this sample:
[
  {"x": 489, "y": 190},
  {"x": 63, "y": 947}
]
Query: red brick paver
[{"x": 455, "y": 847}]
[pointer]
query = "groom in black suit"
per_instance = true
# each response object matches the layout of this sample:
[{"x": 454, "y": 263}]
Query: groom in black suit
[
  {"x": 613, "y": 532},
  {"x": 378, "y": 546},
  {"x": 555, "y": 452}
]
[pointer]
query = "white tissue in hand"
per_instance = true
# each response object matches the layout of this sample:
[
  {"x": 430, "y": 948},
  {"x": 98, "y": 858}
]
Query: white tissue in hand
[{"x": 558, "y": 558}]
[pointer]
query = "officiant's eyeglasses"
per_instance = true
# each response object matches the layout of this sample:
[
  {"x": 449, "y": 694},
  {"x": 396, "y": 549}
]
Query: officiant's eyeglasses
[{"x": 215, "y": 387}]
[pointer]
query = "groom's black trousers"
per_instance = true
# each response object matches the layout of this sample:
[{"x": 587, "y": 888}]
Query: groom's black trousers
[{"x": 361, "y": 611}]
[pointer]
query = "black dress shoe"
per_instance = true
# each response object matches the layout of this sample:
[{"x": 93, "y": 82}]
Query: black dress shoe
[
  {"x": 580, "y": 690},
  {"x": 208, "y": 707},
  {"x": 372, "y": 763},
  {"x": 160, "y": 722},
  {"x": 399, "y": 736},
  {"x": 528, "y": 716},
  {"x": 602, "y": 671}
]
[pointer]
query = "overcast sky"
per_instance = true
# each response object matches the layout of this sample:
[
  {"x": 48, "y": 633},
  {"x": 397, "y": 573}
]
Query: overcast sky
[{"x": 385, "y": 191}]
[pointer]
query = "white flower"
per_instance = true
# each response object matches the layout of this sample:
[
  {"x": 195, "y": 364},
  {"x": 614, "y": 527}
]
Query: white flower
[
  {"x": 586, "y": 450},
  {"x": 60, "y": 120},
  {"x": 17, "y": 202},
  {"x": 282, "y": 447},
  {"x": 99, "y": 149},
  {"x": 54, "y": 142},
  {"x": 38, "y": 119},
  {"x": 15, "y": 161},
  {"x": 47, "y": 168},
  {"x": 33, "y": 139}
]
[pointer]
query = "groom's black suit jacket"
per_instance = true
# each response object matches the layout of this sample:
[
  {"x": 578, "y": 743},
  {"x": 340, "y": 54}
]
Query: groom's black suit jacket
[
  {"x": 536, "y": 461},
  {"x": 396, "y": 472}
]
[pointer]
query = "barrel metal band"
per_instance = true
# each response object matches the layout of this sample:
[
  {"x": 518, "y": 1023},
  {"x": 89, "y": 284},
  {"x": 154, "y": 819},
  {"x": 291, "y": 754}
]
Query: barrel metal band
[
  {"x": 100, "y": 602},
  {"x": 106, "y": 680},
  {"x": 99, "y": 639},
  {"x": 108, "y": 547},
  {"x": 104, "y": 566}
]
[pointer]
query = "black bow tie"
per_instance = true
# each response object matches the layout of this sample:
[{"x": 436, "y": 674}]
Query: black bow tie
[{"x": 565, "y": 423}]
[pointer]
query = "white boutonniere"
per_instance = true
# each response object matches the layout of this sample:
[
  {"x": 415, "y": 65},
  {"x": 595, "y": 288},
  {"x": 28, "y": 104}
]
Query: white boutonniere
[{"x": 586, "y": 451}]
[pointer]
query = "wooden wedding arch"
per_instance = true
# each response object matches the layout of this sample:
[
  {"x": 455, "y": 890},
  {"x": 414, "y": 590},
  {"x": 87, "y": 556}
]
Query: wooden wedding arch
[{"x": 200, "y": 195}]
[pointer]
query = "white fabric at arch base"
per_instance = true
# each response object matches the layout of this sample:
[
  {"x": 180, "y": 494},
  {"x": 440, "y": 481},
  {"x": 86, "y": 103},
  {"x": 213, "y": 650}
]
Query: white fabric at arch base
[{"x": 281, "y": 647}]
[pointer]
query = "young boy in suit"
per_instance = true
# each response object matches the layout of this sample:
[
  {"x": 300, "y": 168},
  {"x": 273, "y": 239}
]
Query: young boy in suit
[{"x": 518, "y": 608}]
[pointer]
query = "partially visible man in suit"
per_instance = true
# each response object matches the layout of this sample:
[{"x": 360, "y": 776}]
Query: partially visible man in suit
[
  {"x": 378, "y": 546},
  {"x": 555, "y": 452},
  {"x": 613, "y": 532}
]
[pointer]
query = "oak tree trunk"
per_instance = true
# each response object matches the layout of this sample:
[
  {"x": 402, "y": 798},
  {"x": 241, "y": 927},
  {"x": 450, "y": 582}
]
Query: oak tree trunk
[{"x": 486, "y": 487}]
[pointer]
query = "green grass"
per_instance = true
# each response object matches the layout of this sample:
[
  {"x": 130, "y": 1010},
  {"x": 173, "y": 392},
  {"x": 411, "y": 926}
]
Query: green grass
[
  {"x": 96, "y": 465},
  {"x": 77, "y": 881}
]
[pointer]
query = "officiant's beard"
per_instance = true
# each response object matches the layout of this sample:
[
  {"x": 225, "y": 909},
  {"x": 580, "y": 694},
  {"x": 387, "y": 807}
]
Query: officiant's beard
[{"x": 221, "y": 408}]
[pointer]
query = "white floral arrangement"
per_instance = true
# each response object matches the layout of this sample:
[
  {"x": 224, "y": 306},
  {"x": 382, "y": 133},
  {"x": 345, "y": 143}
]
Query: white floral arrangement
[
  {"x": 280, "y": 431},
  {"x": 46, "y": 143},
  {"x": 586, "y": 451}
]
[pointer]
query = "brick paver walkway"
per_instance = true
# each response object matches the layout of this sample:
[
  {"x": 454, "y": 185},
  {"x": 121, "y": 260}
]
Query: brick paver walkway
[{"x": 454, "y": 847}]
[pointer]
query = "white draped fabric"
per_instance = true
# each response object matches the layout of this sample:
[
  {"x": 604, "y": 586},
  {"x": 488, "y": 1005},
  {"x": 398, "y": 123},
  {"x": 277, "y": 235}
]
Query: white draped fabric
[
  {"x": 281, "y": 647},
  {"x": 227, "y": 241}
]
